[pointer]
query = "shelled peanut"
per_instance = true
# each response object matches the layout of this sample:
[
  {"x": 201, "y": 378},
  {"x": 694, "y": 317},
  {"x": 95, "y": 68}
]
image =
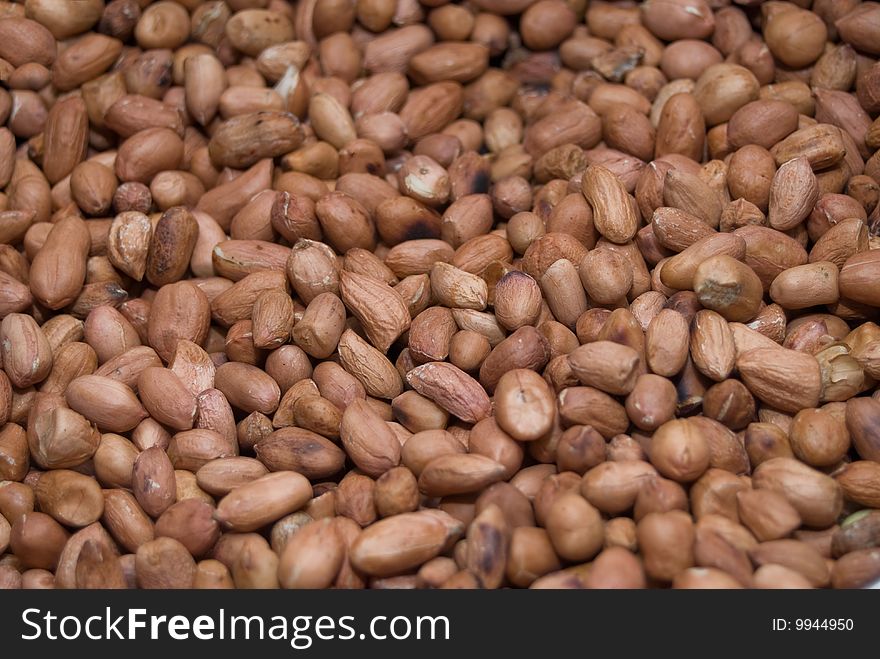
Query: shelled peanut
[{"x": 423, "y": 294}]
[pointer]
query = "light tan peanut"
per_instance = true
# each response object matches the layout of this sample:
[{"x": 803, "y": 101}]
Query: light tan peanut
[{"x": 263, "y": 500}]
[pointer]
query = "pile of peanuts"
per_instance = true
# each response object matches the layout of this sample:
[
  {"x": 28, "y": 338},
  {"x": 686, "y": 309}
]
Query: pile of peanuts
[{"x": 435, "y": 294}]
